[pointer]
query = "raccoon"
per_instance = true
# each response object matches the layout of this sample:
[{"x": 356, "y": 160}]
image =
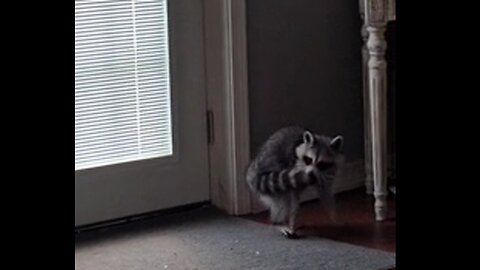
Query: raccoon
[{"x": 291, "y": 160}]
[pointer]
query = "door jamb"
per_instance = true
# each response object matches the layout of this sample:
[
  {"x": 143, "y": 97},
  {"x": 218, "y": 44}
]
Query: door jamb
[{"x": 227, "y": 101}]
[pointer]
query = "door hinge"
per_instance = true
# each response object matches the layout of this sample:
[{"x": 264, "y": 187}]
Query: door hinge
[{"x": 210, "y": 127}]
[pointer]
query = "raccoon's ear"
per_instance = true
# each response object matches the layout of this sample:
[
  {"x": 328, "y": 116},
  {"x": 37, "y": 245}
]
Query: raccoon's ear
[
  {"x": 307, "y": 137},
  {"x": 337, "y": 143}
]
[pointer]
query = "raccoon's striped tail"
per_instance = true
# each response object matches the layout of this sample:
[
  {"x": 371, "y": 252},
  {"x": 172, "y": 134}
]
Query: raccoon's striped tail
[{"x": 278, "y": 182}]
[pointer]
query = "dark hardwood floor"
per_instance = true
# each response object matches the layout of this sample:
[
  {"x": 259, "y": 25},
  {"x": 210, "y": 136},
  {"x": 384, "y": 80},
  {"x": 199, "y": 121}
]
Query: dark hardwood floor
[{"x": 356, "y": 222}]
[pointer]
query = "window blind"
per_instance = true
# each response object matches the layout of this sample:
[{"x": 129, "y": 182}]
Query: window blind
[{"x": 122, "y": 82}]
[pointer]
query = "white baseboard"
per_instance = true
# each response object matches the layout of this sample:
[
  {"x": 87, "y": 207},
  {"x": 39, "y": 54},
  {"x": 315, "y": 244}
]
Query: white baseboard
[{"x": 351, "y": 176}]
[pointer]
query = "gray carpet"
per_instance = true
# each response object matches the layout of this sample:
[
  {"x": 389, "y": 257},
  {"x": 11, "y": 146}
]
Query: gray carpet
[{"x": 207, "y": 239}]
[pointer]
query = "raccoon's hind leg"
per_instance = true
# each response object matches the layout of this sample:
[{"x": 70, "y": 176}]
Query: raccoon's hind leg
[
  {"x": 283, "y": 213},
  {"x": 278, "y": 208}
]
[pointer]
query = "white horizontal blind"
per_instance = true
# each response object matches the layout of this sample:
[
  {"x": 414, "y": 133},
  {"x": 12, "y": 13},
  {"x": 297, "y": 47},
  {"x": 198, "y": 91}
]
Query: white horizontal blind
[{"x": 122, "y": 82}]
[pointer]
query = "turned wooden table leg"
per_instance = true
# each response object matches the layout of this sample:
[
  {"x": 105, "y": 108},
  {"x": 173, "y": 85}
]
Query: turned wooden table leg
[
  {"x": 366, "y": 114},
  {"x": 376, "y": 15},
  {"x": 377, "y": 69}
]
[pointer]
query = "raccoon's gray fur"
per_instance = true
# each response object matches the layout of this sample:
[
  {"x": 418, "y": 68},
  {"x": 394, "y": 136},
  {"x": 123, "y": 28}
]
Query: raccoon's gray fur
[{"x": 292, "y": 159}]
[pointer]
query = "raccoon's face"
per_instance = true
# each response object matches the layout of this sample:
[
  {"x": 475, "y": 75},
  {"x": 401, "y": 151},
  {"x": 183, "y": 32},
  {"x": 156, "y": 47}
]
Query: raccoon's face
[{"x": 319, "y": 151}]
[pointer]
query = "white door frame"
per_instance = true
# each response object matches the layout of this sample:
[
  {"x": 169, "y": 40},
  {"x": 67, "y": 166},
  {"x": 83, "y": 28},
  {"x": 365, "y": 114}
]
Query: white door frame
[{"x": 227, "y": 100}]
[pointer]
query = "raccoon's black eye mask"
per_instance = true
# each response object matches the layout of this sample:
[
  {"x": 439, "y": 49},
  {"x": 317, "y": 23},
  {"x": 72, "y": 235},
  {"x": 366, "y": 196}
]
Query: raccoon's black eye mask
[{"x": 307, "y": 160}]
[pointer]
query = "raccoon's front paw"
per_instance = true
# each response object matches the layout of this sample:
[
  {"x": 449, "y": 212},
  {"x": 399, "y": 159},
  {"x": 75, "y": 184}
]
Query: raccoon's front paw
[{"x": 290, "y": 234}]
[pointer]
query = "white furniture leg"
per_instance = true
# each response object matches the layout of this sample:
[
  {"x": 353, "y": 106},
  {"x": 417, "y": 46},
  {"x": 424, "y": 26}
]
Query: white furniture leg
[
  {"x": 366, "y": 114},
  {"x": 376, "y": 14},
  {"x": 377, "y": 66}
]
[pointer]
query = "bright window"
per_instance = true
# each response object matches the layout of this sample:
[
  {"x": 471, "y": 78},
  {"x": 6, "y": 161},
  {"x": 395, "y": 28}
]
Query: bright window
[{"x": 122, "y": 82}]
